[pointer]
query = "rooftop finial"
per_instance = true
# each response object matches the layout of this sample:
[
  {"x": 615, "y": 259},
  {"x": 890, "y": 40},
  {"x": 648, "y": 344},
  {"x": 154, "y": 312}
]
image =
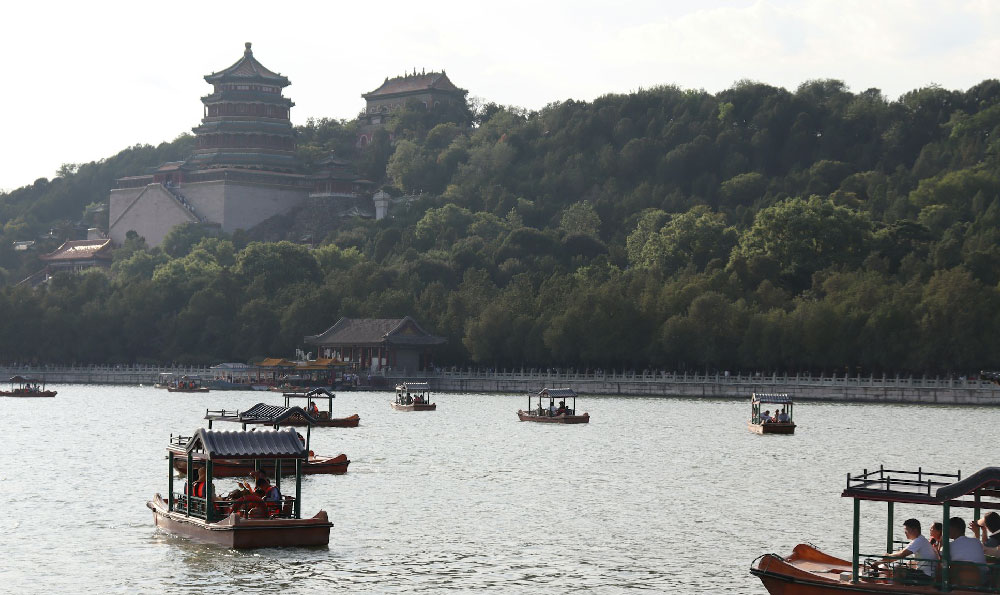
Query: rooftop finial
[{"x": 248, "y": 48}]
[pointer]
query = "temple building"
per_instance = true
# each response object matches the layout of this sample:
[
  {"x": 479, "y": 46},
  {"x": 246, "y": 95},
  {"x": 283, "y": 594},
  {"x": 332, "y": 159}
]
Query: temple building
[
  {"x": 242, "y": 171},
  {"x": 372, "y": 344},
  {"x": 73, "y": 256},
  {"x": 432, "y": 89}
]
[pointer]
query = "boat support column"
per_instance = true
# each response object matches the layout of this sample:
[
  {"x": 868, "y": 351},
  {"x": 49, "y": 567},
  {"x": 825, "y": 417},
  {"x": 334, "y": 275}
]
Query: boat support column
[
  {"x": 189, "y": 484},
  {"x": 209, "y": 508},
  {"x": 170, "y": 481},
  {"x": 888, "y": 531},
  {"x": 298, "y": 488},
  {"x": 945, "y": 549},
  {"x": 857, "y": 551}
]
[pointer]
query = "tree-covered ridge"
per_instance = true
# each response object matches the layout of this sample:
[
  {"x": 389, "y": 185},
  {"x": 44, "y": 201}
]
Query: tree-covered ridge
[{"x": 753, "y": 228}]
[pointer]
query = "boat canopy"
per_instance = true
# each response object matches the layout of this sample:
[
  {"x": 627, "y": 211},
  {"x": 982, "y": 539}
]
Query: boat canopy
[
  {"x": 259, "y": 444},
  {"x": 557, "y": 393},
  {"x": 771, "y": 398},
  {"x": 262, "y": 413},
  {"x": 233, "y": 367},
  {"x": 315, "y": 393},
  {"x": 20, "y": 379},
  {"x": 923, "y": 487},
  {"x": 413, "y": 386}
]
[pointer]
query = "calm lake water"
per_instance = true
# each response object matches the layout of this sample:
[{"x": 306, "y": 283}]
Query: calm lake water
[{"x": 663, "y": 495}]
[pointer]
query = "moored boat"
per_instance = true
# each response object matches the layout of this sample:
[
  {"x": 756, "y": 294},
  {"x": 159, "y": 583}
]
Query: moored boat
[
  {"x": 762, "y": 422},
  {"x": 809, "y": 571},
  {"x": 232, "y": 523},
  {"x": 323, "y": 419},
  {"x": 552, "y": 414},
  {"x": 26, "y": 387},
  {"x": 413, "y": 396}
]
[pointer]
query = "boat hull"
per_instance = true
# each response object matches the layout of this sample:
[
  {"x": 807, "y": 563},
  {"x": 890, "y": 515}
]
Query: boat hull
[
  {"x": 237, "y": 532},
  {"x": 188, "y": 390},
  {"x": 772, "y": 428},
  {"x": 558, "y": 419},
  {"x": 808, "y": 571},
  {"x": 336, "y": 422},
  {"x": 230, "y": 468},
  {"x": 28, "y": 394},
  {"x": 415, "y": 407}
]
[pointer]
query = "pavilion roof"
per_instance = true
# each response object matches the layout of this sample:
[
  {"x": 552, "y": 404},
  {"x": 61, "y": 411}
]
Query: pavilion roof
[
  {"x": 276, "y": 362},
  {"x": 80, "y": 250},
  {"x": 260, "y": 444},
  {"x": 771, "y": 398},
  {"x": 415, "y": 83},
  {"x": 373, "y": 331},
  {"x": 248, "y": 69}
]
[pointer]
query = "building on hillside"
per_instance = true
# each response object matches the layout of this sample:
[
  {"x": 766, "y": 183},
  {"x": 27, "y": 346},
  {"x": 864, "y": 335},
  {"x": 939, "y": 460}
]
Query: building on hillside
[
  {"x": 73, "y": 256},
  {"x": 375, "y": 344},
  {"x": 243, "y": 170},
  {"x": 432, "y": 89}
]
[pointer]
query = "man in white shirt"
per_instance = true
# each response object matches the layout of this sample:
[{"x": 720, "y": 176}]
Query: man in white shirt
[
  {"x": 964, "y": 549},
  {"x": 920, "y": 549}
]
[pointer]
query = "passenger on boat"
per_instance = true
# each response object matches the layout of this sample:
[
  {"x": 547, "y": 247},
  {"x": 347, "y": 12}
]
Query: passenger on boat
[
  {"x": 198, "y": 488},
  {"x": 782, "y": 416},
  {"x": 562, "y": 408},
  {"x": 935, "y": 533},
  {"x": 417, "y": 400},
  {"x": 250, "y": 505},
  {"x": 920, "y": 549},
  {"x": 313, "y": 409},
  {"x": 987, "y": 529},
  {"x": 966, "y": 549},
  {"x": 552, "y": 409},
  {"x": 765, "y": 417}
]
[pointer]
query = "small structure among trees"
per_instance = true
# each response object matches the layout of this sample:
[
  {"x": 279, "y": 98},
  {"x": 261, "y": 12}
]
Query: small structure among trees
[{"x": 374, "y": 344}]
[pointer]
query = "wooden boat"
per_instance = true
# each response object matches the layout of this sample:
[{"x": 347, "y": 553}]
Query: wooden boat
[
  {"x": 809, "y": 571},
  {"x": 278, "y": 416},
  {"x": 553, "y": 414},
  {"x": 761, "y": 422},
  {"x": 323, "y": 419},
  {"x": 26, "y": 388},
  {"x": 413, "y": 396},
  {"x": 314, "y": 465},
  {"x": 187, "y": 384},
  {"x": 212, "y": 520}
]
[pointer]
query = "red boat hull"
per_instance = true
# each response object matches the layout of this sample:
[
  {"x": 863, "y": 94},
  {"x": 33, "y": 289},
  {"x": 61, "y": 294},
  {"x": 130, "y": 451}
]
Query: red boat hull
[
  {"x": 235, "y": 531},
  {"x": 27, "y": 394},
  {"x": 808, "y": 571},
  {"x": 324, "y": 422},
  {"x": 558, "y": 419},
  {"x": 315, "y": 466}
]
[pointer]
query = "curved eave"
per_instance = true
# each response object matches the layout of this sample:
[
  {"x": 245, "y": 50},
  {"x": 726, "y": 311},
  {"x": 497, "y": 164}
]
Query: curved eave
[{"x": 247, "y": 96}]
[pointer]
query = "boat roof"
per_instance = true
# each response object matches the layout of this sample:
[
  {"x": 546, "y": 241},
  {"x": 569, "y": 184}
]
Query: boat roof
[
  {"x": 413, "y": 386},
  {"x": 20, "y": 379},
  {"x": 258, "y": 444},
  {"x": 316, "y": 393},
  {"x": 233, "y": 366},
  {"x": 770, "y": 398},
  {"x": 263, "y": 414},
  {"x": 557, "y": 392},
  {"x": 923, "y": 487}
]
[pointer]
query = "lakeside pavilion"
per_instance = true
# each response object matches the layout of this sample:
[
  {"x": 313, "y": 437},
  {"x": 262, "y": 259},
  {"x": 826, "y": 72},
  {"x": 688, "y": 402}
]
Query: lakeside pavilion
[{"x": 373, "y": 344}]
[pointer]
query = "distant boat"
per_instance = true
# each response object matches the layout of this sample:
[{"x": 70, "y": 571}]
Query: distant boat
[
  {"x": 26, "y": 387},
  {"x": 551, "y": 414},
  {"x": 187, "y": 384},
  {"x": 413, "y": 396},
  {"x": 766, "y": 424}
]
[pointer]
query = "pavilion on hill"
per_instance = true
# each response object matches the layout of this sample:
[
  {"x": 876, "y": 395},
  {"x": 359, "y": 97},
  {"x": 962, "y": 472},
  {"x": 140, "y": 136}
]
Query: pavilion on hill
[{"x": 432, "y": 89}]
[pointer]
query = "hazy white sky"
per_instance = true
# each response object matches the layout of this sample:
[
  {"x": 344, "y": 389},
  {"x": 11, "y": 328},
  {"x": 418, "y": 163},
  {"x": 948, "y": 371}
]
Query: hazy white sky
[{"x": 83, "y": 80}]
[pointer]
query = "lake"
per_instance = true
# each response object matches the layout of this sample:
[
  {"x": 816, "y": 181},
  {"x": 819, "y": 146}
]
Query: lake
[{"x": 656, "y": 494}]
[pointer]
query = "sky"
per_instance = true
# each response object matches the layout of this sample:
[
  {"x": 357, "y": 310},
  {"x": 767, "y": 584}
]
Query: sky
[{"x": 84, "y": 80}]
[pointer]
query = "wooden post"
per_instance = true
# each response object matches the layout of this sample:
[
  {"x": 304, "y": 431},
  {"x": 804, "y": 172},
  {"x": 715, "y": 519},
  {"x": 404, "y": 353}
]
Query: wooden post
[
  {"x": 298, "y": 488},
  {"x": 170, "y": 480},
  {"x": 857, "y": 551},
  {"x": 888, "y": 531},
  {"x": 945, "y": 548},
  {"x": 209, "y": 508},
  {"x": 190, "y": 486}
]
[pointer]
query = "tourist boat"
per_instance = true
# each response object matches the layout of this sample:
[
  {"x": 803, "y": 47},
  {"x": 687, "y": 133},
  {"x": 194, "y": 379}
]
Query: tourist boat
[
  {"x": 413, "y": 396},
  {"x": 549, "y": 414},
  {"x": 212, "y": 520},
  {"x": 809, "y": 571},
  {"x": 165, "y": 380},
  {"x": 187, "y": 384},
  {"x": 761, "y": 424},
  {"x": 26, "y": 387},
  {"x": 236, "y": 376},
  {"x": 323, "y": 419},
  {"x": 238, "y": 467}
]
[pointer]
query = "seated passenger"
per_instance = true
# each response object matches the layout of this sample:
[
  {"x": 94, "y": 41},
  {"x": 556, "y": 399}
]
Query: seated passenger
[
  {"x": 935, "y": 540},
  {"x": 562, "y": 408},
  {"x": 920, "y": 549},
  {"x": 783, "y": 417},
  {"x": 987, "y": 529},
  {"x": 552, "y": 408},
  {"x": 313, "y": 409},
  {"x": 250, "y": 505},
  {"x": 765, "y": 417},
  {"x": 965, "y": 549}
]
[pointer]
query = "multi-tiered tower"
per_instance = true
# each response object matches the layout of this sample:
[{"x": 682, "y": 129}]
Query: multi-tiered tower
[{"x": 246, "y": 122}]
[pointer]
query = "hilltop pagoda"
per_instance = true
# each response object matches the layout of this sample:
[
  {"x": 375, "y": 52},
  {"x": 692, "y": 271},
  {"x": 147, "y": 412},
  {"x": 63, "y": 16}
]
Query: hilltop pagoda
[{"x": 246, "y": 122}]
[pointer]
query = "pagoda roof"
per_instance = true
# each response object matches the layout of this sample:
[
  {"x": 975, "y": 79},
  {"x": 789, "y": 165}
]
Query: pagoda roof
[
  {"x": 248, "y": 69},
  {"x": 415, "y": 83},
  {"x": 358, "y": 331},
  {"x": 80, "y": 250},
  {"x": 276, "y": 362}
]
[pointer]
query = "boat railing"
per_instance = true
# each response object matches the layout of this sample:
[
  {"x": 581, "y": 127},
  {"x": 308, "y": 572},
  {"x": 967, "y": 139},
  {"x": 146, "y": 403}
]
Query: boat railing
[
  {"x": 223, "y": 508},
  {"x": 968, "y": 576},
  {"x": 180, "y": 441},
  {"x": 897, "y": 480},
  {"x": 222, "y": 413}
]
